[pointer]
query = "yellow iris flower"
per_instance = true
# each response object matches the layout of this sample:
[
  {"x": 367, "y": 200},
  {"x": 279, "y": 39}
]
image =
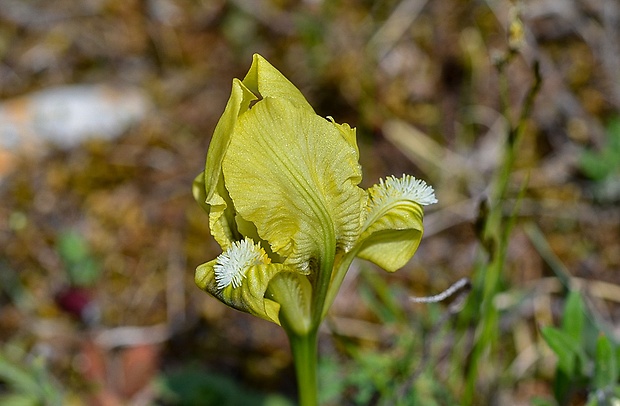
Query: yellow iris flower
[{"x": 280, "y": 186}]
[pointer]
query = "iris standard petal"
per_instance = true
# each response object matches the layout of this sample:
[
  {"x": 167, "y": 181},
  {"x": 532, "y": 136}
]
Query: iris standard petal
[
  {"x": 221, "y": 212},
  {"x": 294, "y": 176},
  {"x": 266, "y": 81}
]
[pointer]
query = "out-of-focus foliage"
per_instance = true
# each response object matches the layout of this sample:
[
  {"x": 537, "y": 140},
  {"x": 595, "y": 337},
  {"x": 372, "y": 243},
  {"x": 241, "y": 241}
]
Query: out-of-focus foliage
[
  {"x": 26, "y": 379},
  {"x": 587, "y": 358},
  {"x": 598, "y": 165},
  {"x": 603, "y": 166},
  {"x": 195, "y": 386},
  {"x": 82, "y": 268}
]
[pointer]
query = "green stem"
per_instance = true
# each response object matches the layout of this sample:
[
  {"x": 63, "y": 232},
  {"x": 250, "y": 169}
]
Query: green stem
[
  {"x": 322, "y": 282},
  {"x": 340, "y": 271},
  {"x": 304, "y": 349}
]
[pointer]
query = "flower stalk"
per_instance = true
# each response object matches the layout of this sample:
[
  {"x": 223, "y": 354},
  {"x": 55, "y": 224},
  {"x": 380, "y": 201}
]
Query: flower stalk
[{"x": 304, "y": 349}]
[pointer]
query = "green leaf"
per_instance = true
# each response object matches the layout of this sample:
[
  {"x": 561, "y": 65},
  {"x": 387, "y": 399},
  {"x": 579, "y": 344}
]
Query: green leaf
[
  {"x": 191, "y": 385},
  {"x": 16, "y": 377},
  {"x": 573, "y": 320},
  {"x": 543, "y": 402},
  {"x": 598, "y": 165},
  {"x": 82, "y": 269},
  {"x": 617, "y": 355},
  {"x": 605, "y": 367},
  {"x": 592, "y": 400},
  {"x": 72, "y": 248},
  {"x": 564, "y": 387},
  {"x": 595, "y": 165},
  {"x": 25, "y": 381},
  {"x": 19, "y": 399},
  {"x": 567, "y": 349}
]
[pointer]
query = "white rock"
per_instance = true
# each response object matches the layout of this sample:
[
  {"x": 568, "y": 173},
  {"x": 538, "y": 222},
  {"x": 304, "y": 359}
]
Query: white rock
[{"x": 68, "y": 115}]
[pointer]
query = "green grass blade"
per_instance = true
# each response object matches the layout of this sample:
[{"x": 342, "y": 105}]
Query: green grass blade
[
  {"x": 566, "y": 348},
  {"x": 573, "y": 321},
  {"x": 19, "y": 379},
  {"x": 605, "y": 367}
]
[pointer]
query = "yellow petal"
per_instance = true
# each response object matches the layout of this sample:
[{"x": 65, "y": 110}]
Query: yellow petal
[
  {"x": 348, "y": 134},
  {"x": 262, "y": 80},
  {"x": 198, "y": 191},
  {"x": 294, "y": 176},
  {"x": 391, "y": 249},
  {"x": 221, "y": 212},
  {"x": 393, "y": 227},
  {"x": 266, "y": 81},
  {"x": 239, "y": 278},
  {"x": 238, "y": 103}
]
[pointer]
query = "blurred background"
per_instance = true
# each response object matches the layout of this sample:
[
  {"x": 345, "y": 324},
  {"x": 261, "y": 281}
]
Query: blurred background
[{"x": 510, "y": 110}]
